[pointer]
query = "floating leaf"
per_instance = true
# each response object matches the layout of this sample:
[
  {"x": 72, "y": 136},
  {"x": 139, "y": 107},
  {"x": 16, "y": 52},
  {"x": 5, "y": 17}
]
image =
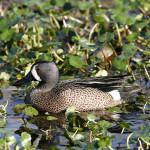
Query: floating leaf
[
  {"x": 2, "y": 123},
  {"x": 89, "y": 46},
  {"x": 104, "y": 142},
  {"x": 143, "y": 116},
  {"x": 103, "y": 37},
  {"x": 147, "y": 53},
  {"x": 129, "y": 50},
  {"x": 51, "y": 118},
  {"x": 30, "y": 111},
  {"x": 3, "y": 24},
  {"x": 85, "y": 5},
  {"x": 115, "y": 109},
  {"x": 25, "y": 140},
  {"x": 2, "y": 143},
  {"x": 10, "y": 139},
  {"x": 4, "y": 76},
  {"x": 91, "y": 117},
  {"x": 52, "y": 43},
  {"x": 91, "y": 146},
  {"x": 70, "y": 110},
  {"x": 124, "y": 125},
  {"x": 66, "y": 134},
  {"x": 15, "y": 50},
  {"x": 31, "y": 54},
  {"x": 54, "y": 148},
  {"x": 76, "y": 61},
  {"x": 132, "y": 37},
  {"x": 106, "y": 37},
  {"x": 79, "y": 137},
  {"x": 105, "y": 124},
  {"x": 120, "y": 63},
  {"x": 101, "y": 72},
  {"x": 45, "y": 57},
  {"x": 130, "y": 20},
  {"x": 121, "y": 18},
  {"x": 17, "y": 109},
  {"x": 142, "y": 24},
  {"x": 145, "y": 130},
  {"x": 100, "y": 16}
]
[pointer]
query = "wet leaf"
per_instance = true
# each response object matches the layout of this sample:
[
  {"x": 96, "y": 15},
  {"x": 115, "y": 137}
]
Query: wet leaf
[
  {"x": 4, "y": 76},
  {"x": 124, "y": 125},
  {"x": 17, "y": 109},
  {"x": 30, "y": 111},
  {"x": 115, "y": 109},
  {"x": 10, "y": 139},
  {"x": 132, "y": 37},
  {"x": 7, "y": 34},
  {"x": 85, "y": 5},
  {"x": 25, "y": 140},
  {"x": 31, "y": 54},
  {"x": 71, "y": 109},
  {"x": 145, "y": 130},
  {"x": 68, "y": 137},
  {"x": 91, "y": 117},
  {"x": 2, "y": 123},
  {"x": 91, "y": 146},
  {"x": 120, "y": 63},
  {"x": 104, "y": 142},
  {"x": 15, "y": 50},
  {"x": 54, "y": 148},
  {"x": 129, "y": 50},
  {"x": 143, "y": 116},
  {"x": 101, "y": 73},
  {"x": 45, "y": 57},
  {"x": 89, "y": 46},
  {"x": 52, "y": 43},
  {"x": 106, "y": 37},
  {"x": 121, "y": 18},
  {"x": 141, "y": 24},
  {"x": 79, "y": 137},
  {"x": 51, "y": 118},
  {"x": 3, "y": 24},
  {"x": 147, "y": 53},
  {"x": 105, "y": 124},
  {"x": 130, "y": 20},
  {"x": 2, "y": 143},
  {"x": 76, "y": 61}
]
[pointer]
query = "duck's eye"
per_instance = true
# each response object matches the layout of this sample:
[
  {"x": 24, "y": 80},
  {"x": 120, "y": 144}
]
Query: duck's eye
[{"x": 38, "y": 69}]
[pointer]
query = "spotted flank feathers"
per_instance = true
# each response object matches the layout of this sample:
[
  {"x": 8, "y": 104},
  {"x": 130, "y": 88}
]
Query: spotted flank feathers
[{"x": 85, "y": 94}]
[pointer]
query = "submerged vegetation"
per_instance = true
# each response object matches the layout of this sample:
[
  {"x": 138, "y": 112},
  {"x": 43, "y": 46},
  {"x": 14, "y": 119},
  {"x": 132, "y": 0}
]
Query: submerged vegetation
[{"x": 84, "y": 38}]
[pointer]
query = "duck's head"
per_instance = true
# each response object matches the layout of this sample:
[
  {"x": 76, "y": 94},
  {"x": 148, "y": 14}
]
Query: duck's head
[{"x": 45, "y": 72}]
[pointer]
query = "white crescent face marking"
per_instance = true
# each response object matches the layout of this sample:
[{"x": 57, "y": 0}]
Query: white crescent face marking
[
  {"x": 35, "y": 75},
  {"x": 115, "y": 94}
]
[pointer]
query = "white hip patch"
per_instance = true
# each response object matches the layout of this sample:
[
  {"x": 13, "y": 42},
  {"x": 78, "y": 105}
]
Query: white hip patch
[
  {"x": 115, "y": 94},
  {"x": 34, "y": 73}
]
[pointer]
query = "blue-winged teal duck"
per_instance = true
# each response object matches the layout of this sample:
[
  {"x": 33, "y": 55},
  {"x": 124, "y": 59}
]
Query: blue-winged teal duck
[{"x": 86, "y": 94}]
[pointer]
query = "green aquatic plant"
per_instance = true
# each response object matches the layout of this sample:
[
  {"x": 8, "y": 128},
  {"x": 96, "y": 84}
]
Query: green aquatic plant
[{"x": 84, "y": 38}]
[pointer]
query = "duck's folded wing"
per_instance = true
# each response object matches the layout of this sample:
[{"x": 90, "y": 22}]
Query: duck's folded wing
[{"x": 106, "y": 84}]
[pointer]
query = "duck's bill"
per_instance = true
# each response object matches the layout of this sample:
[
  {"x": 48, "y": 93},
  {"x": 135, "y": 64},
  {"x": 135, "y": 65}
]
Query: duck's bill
[{"x": 25, "y": 79}]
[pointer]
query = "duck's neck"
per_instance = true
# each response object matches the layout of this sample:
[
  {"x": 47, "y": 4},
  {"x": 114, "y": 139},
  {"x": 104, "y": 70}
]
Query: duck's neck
[{"x": 48, "y": 84}]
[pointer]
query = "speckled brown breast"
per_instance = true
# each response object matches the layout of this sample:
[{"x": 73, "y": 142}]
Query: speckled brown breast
[{"x": 65, "y": 95}]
